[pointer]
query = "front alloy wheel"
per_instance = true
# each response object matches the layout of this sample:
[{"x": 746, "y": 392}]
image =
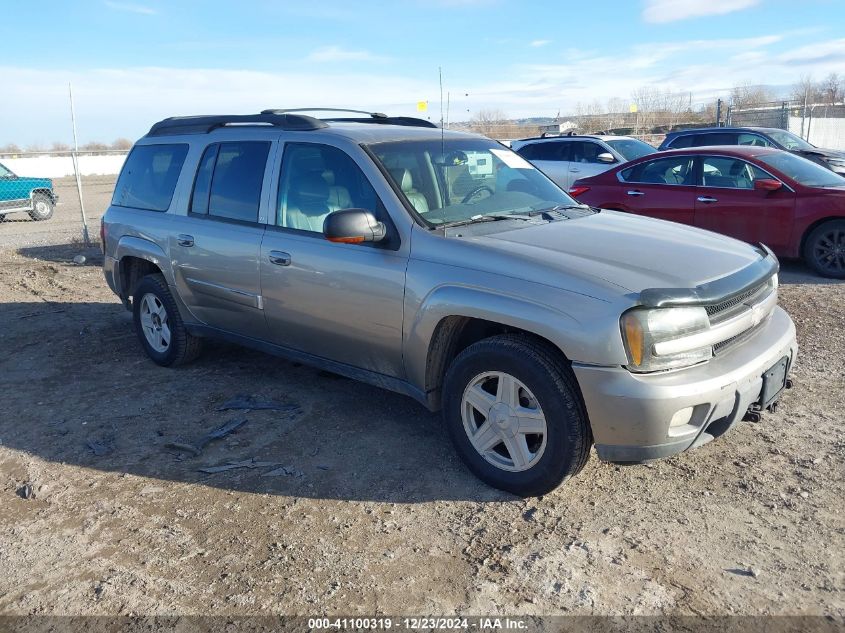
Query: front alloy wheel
[{"x": 503, "y": 421}]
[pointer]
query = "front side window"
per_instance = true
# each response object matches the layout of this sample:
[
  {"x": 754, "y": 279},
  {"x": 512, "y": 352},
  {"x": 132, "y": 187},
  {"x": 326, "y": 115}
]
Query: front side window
[
  {"x": 317, "y": 180},
  {"x": 5, "y": 173},
  {"x": 461, "y": 179},
  {"x": 755, "y": 140},
  {"x": 729, "y": 173},
  {"x": 802, "y": 170},
  {"x": 674, "y": 170},
  {"x": 586, "y": 152},
  {"x": 148, "y": 178}
]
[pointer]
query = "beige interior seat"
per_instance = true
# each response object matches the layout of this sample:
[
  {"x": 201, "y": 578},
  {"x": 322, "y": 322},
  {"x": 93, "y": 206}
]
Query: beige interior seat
[{"x": 406, "y": 183}]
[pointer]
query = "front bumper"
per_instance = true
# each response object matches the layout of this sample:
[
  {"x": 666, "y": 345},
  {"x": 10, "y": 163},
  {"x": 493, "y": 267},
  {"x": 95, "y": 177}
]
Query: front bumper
[{"x": 630, "y": 414}]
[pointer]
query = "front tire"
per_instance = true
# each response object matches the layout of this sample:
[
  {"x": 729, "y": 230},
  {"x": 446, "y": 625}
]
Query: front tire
[
  {"x": 513, "y": 411},
  {"x": 159, "y": 325},
  {"x": 824, "y": 249},
  {"x": 42, "y": 207}
]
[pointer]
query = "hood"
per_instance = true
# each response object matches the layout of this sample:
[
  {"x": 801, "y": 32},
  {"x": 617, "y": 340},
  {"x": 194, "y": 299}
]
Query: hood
[
  {"x": 821, "y": 152},
  {"x": 628, "y": 251}
]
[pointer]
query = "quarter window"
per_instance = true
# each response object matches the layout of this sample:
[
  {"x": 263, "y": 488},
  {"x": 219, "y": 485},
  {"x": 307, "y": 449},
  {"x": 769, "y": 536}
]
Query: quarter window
[
  {"x": 148, "y": 178},
  {"x": 229, "y": 179},
  {"x": 675, "y": 170}
]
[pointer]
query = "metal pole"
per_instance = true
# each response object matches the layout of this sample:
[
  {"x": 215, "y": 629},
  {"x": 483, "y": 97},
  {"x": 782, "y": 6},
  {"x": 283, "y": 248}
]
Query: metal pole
[
  {"x": 75, "y": 156},
  {"x": 804, "y": 113},
  {"x": 718, "y": 113}
]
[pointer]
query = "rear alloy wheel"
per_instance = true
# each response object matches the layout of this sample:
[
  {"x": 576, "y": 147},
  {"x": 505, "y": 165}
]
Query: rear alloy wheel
[
  {"x": 42, "y": 207},
  {"x": 159, "y": 325},
  {"x": 824, "y": 250},
  {"x": 512, "y": 408}
]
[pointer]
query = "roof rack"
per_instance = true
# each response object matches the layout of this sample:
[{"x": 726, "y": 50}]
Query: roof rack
[
  {"x": 205, "y": 124},
  {"x": 372, "y": 117}
]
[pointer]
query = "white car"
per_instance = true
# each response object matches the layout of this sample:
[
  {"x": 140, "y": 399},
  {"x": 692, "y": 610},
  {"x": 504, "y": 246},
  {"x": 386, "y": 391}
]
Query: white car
[{"x": 566, "y": 159}]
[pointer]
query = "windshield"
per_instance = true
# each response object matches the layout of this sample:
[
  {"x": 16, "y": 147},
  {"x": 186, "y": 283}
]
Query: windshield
[
  {"x": 802, "y": 170},
  {"x": 631, "y": 148},
  {"x": 5, "y": 173},
  {"x": 789, "y": 140},
  {"x": 463, "y": 179}
]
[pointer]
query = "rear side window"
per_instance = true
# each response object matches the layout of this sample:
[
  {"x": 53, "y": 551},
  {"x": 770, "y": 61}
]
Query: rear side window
[
  {"x": 557, "y": 150},
  {"x": 681, "y": 142},
  {"x": 716, "y": 138},
  {"x": 229, "y": 179},
  {"x": 148, "y": 179}
]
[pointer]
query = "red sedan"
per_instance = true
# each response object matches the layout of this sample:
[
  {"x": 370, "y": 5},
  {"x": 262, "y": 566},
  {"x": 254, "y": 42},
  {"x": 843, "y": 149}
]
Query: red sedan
[{"x": 756, "y": 194}]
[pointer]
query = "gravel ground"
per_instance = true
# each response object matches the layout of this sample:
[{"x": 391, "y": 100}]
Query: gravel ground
[{"x": 362, "y": 507}]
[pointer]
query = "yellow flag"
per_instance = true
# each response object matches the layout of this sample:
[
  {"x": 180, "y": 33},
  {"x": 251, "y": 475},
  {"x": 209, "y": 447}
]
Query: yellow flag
[
  {"x": 632, "y": 108},
  {"x": 422, "y": 106}
]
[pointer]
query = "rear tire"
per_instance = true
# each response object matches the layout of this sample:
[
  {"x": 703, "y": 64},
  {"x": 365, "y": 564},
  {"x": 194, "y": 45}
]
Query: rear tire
[
  {"x": 518, "y": 401},
  {"x": 159, "y": 325},
  {"x": 42, "y": 207},
  {"x": 824, "y": 249}
]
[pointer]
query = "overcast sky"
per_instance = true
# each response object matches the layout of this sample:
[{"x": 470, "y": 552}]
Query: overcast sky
[{"x": 132, "y": 63}]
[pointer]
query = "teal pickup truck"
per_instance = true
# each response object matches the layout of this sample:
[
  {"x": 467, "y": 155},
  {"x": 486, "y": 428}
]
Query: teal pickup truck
[{"x": 34, "y": 196}]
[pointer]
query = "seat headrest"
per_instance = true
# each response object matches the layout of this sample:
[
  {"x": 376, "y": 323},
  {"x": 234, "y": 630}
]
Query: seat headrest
[
  {"x": 310, "y": 187},
  {"x": 328, "y": 176},
  {"x": 403, "y": 179}
]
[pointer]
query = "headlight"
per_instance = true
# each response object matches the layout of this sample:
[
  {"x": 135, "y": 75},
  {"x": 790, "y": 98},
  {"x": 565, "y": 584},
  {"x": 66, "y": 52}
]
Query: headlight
[{"x": 644, "y": 328}]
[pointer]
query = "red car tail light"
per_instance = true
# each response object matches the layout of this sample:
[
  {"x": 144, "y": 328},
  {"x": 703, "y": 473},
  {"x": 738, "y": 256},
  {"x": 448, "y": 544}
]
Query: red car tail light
[
  {"x": 577, "y": 190},
  {"x": 103, "y": 236}
]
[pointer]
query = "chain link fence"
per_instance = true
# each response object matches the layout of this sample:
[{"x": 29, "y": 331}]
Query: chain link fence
[
  {"x": 821, "y": 124},
  {"x": 43, "y": 194}
]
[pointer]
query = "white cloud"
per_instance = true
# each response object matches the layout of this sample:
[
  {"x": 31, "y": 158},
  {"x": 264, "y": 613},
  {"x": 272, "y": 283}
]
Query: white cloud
[
  {"x": 130, "y": 8},
  {"x": 339, "y": 54},
  {"x": 539, "y": 43},
  {"x": 662, "y": 11}
]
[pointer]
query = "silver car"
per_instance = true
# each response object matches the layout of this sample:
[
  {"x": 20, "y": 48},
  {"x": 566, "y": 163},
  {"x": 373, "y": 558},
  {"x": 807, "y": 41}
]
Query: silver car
[
  {"x": 443, "y": 266},
  {"x": 566, "y": 159}
]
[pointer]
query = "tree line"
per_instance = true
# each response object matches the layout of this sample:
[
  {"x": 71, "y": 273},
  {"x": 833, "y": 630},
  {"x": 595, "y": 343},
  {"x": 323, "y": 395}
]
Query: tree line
[{"x": 120, "y": 144}]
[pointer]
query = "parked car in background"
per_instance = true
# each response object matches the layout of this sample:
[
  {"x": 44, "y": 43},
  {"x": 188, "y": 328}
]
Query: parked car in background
[
  {"x": 444, "y": 266},
  {"x": 565, "y": 159},
  {"x": 756, "y": 194},
  {"x": 34, "y": 196},
  {"x": 758, "y": 137}
]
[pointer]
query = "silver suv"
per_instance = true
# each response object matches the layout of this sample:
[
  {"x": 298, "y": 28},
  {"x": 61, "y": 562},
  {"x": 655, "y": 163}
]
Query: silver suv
[
  {"x": 443, "y": 266},
  {"x": 568, "y": 158}
]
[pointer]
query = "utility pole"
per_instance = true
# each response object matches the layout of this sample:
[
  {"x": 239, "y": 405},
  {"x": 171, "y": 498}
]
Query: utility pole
[
  {"x": 75, "y": 156},
  {"x": 718, "y": 113}
]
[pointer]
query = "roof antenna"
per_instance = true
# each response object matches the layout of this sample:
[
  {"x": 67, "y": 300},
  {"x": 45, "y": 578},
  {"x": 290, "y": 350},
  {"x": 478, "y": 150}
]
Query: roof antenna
[{"x": 442, "y": 140}]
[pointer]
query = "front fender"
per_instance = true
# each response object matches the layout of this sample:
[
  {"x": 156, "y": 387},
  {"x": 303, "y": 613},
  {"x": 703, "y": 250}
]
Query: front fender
[{"x": 574, "y": 337}]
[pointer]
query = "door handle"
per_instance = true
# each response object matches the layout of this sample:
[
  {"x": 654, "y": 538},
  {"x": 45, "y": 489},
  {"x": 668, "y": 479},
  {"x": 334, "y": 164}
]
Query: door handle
[
  {"x": 185, "y": 240},
  {"x": 575, "y": 170},
  {"x": 279, "y": 258},
  {"x": 706, "y": 199},
  {"x": 634, "y": 192}
]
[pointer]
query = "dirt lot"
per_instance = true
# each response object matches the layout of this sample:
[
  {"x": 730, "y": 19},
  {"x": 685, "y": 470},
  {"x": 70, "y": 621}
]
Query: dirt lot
[{"x": 373, "y": 512}]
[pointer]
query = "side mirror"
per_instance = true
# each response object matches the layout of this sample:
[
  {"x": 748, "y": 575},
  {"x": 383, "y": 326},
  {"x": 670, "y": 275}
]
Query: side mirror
[
  {"x": 606, "y": 157},
  {"x": 353, "y": 226},
  {"x": 767, "y": 184}
]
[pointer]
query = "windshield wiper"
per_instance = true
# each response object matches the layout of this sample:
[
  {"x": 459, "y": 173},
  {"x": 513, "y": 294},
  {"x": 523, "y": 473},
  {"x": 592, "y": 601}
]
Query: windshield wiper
[{"x": 492, "y": 217}]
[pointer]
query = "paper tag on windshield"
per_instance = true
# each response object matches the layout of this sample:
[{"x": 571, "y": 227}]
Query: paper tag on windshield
[{"x": 511, "y": 159}]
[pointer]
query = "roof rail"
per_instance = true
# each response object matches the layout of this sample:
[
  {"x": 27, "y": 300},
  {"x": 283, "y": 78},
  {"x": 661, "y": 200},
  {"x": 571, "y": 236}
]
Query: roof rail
[
  {"x": 375, "y": 115},
  {"x": 206, "y": 123},
  {"x": 372, "y": 117}
]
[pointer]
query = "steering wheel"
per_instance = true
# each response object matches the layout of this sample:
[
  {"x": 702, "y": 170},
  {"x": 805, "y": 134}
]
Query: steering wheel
[{"x": 477, "y": 191}]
